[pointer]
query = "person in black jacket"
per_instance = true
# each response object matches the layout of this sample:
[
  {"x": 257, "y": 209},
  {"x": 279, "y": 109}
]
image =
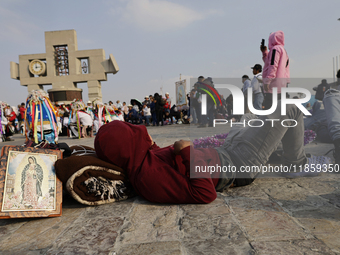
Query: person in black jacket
[{"x": 159, "y": 108}]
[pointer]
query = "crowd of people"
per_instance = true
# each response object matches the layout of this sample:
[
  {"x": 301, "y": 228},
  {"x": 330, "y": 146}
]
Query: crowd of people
[
  {"x": 11, "y": 120},
  {"x": 77, "y": 120},
  {"x": 274, "y": 74}
]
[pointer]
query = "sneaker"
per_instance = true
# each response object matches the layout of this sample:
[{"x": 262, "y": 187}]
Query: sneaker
[{"x": 314, "y": 166}]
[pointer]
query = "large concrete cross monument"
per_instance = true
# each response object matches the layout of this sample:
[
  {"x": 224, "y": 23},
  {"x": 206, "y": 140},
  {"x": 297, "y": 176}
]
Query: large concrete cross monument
[{"x": 64, "y": 66}]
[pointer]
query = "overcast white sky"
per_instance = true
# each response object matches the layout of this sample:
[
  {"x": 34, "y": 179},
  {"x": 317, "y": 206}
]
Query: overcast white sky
[{"x": 154, "y": 41}]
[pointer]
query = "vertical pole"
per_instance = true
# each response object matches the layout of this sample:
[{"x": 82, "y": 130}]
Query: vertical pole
[
  {"x": 204, "y": 104},
  {"x": 333, "y": 71}
]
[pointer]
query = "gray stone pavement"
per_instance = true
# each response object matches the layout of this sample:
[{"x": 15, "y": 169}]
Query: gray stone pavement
[{"x": 270, "y": 216}]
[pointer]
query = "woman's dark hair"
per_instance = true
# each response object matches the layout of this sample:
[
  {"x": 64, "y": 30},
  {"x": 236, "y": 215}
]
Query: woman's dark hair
[{"x": 33, "y": 158}]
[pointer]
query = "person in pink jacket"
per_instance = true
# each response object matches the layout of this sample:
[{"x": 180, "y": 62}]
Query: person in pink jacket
[{"x": 276, "y": 67}]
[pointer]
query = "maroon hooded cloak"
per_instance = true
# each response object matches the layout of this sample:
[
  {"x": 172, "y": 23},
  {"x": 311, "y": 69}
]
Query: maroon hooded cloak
[{"x": 157, "y": 173}]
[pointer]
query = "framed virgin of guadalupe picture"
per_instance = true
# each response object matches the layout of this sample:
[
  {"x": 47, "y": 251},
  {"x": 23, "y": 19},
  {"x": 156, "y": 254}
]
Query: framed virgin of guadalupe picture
[
  {"x": 29, "y": 186},
  {"x": 181, "y": 96}
]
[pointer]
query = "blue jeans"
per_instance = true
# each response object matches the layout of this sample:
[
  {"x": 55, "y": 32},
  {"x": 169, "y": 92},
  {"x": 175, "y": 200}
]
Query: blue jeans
[
  {"x": 154, "y": 118},
  {"x": 147, "y": 119},
  {"x": 331, "y": 102},
  {"x": 258, "y": 100},
  {"x": 252, "y": 146}
]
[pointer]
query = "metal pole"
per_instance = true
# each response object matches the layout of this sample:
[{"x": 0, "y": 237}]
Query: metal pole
[{"x": 333, "y": 71}]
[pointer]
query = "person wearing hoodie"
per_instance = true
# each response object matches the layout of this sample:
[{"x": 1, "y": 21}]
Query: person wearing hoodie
[
  {"x": 276, "y": 67},
  {"x": 159, "y": 104},
  {"x": 181, "y": 174},
  {"x": 160, "y": 175}
]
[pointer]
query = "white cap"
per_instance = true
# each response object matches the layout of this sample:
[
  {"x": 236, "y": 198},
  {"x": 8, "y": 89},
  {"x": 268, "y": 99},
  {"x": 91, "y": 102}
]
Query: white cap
[{"x": 167, "y": 93}]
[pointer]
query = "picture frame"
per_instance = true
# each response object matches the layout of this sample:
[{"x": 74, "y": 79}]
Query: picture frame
[
  {"x": 29, "y": 186},
  {"x": 181, "y": 94}
]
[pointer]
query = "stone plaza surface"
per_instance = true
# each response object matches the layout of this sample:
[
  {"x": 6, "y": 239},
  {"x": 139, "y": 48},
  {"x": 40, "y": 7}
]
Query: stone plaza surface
[{"x": 270, "y": 216}]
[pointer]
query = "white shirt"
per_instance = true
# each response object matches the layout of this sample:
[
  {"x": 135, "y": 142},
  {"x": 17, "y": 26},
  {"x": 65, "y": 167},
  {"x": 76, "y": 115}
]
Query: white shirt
[
  {"x": 147, "y": 111},
  {"x": 65, "y": 121},
  {"x": 256, "y": 83},
  {"x": 84, "y": 119},
  {"x": 136, "y": 108},
  {"x": 125, "y": 109},
  {"x": 89, "y": 111}
]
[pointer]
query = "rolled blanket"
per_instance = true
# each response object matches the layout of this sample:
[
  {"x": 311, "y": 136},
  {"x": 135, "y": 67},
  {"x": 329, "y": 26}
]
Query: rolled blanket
[{"x": 92, "y": 181}]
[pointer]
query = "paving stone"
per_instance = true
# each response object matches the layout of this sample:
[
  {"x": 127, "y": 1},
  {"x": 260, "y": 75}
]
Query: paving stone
[
  {"x": 40, "y": 233},
  {"x": 332, "y": 198},
  {"x": 294, "y": 197},
  {"x": 29, "y": 231},
  {"x": 201, "y": 222},
  {"x": 330, "y": 213},
  {"x": 326, "y": 230},
  {"x": 203, "y": 228},
  {"x": 157, "y": 248},
  {"x": 253, "y": 190},
  {"x": 8, "y": 226},
  {"x": 264, "y": 220},
  {"x": 151, "y": 223},
  {"x": 260, "y": 204},
  {"x": 285, "y": 190},
  {"x": 17, "y": 251},
  {"x": 88, "y": 236},
  {"x": 116, "y": 209},
  {"x": 324, "y": 184},
  {"x": 217, "y": 207},
  {"x": 310, "y": 203},
  {"x": 218, "y": 246},
  {"x": 47, "y": 238},
  {"x": 296, "y": 247}
]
